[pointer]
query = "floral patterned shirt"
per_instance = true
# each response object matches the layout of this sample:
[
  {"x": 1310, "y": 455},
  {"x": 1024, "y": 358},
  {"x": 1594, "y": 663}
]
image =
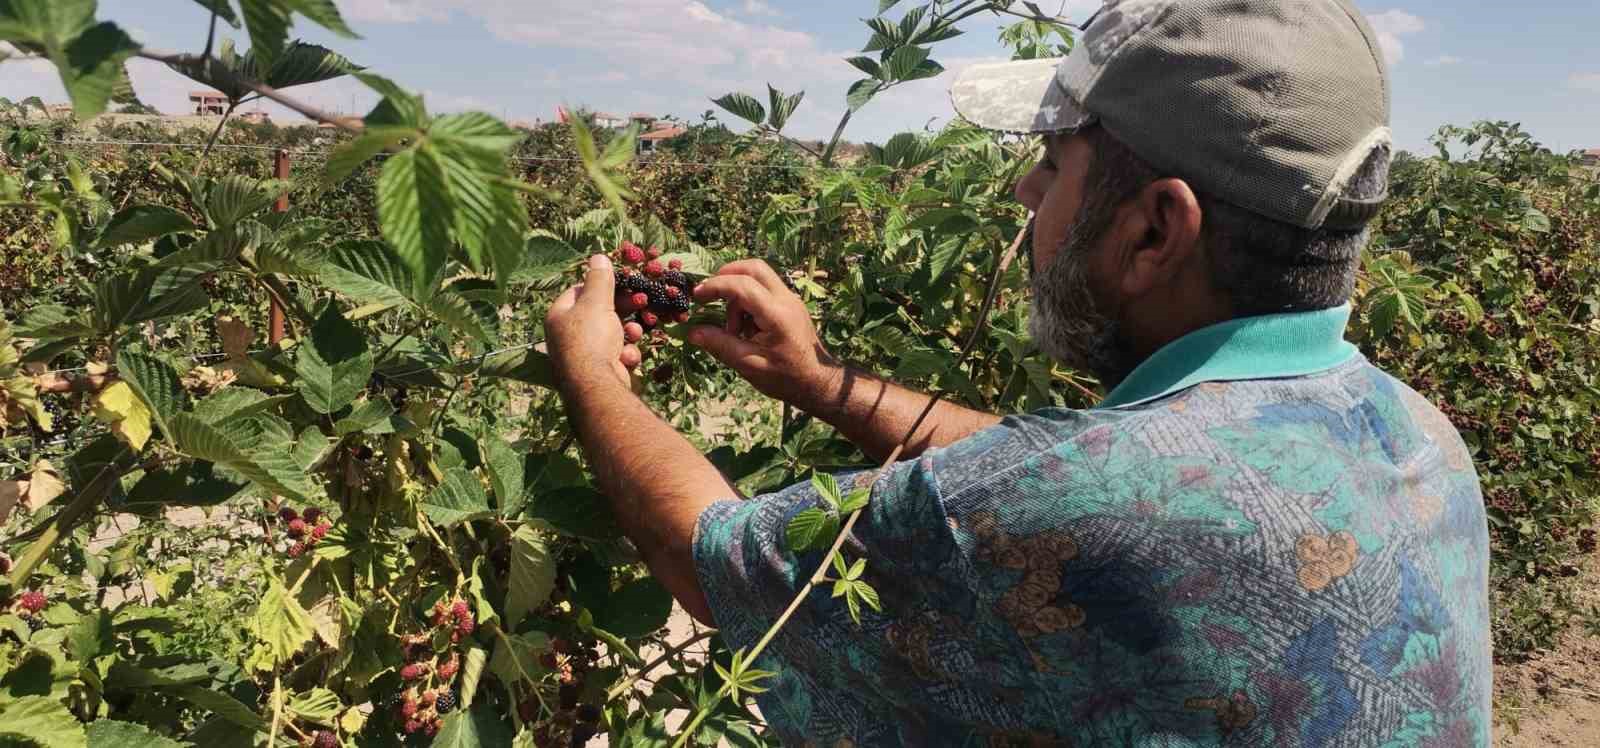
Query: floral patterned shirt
[{"x": 1257, "y": 539}]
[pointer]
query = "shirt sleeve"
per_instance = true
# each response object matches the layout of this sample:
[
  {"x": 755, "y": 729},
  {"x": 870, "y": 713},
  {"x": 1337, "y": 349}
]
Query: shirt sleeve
[{"x": 749, "y": 574}]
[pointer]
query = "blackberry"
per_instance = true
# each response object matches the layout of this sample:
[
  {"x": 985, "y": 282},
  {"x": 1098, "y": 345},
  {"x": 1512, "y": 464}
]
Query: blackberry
[
  {"x": 325, "y": 739},
  {"x": 568, "y": 695},
  {"x": 675, "y": 278},
  {"x": 680, "y": 304},
  {"x": 589, "y": 714},
  {"x": 581, "y": 735},
  {"x": 445, "y": 703},
  {"x": 630, "y": 281},
  {"x": 657, "y": 292}
]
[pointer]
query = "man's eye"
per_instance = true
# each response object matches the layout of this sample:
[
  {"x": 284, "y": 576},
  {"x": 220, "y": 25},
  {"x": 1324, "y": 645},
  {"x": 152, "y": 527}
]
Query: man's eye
[{"x": 1046, "y": 163}]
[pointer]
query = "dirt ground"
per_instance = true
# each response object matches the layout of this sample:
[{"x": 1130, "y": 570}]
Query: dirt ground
[{"x": 1553, "y": 699}]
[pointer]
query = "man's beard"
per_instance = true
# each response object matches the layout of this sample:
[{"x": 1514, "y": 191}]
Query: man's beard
[{"x": 1067, "y": 322}]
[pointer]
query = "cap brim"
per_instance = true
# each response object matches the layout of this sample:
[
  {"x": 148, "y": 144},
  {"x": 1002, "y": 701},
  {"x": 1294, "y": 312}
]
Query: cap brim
[{"x": 1019, "y": 97}]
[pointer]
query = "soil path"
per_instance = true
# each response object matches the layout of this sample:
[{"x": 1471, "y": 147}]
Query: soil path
[{"x": 1553, "y": 699}]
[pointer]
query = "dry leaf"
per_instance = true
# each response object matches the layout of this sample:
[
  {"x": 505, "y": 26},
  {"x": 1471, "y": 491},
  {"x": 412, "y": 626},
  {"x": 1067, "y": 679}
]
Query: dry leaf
[
  {"x": 44, "y": 486},
  {"x": 236, "y": 337},
  {"x": 11, "y": 492},
  {"x": 125, "y": 413}
]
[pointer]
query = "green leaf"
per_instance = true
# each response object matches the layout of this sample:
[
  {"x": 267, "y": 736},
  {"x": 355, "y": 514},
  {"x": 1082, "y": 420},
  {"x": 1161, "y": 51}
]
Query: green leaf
[
  {"x": 367, "y": 271},
  {"x": 516, "y": 654},
  {"x": 236, "y": 402},
  {"x": 638, "y": 609},
  {"x": 281, "y": 624},
  {"x": 476, "y": 728},
  {"x": 90, "y": 636},
  {"x": 505, "y": 469},
  {"x": 234, "y": 198},
  {"x": 304, "y": 63},
  {"x": 110, "y": 733},
  {"x": 855, "y": 500},
  {"x": 370, "y": 417},
  {"x": 862, "y": 92},
  {"x": 42, "y": 721},
  {"x": 527, "y": 365},
  {"x": 458, "y": 314},
  {"x": 260, "y": 448},
  {"x": 578, "y": 511},
  {"x": 361, "y": 149},
  {"x": 867, "y": 65},
  {"x": 223, "y": 9},
  {"x": 414, "y": 213},
  {"x": 885, "y": 5},
  {"x": 743, "y": 106},
  {"x": 398, "y": 109},
  {"x": 268, "y": 21},
  {"x": 781, "y": 107},
  {"x": 827, "y": 487},
  {"x": 156, "y": 383},
  {"x": 1536, "y": 221},
  {"x": 458, "y": 498},
  {"x": 318, "y": 705},
  {"x": 945, "y": 255},
  {"x": 138, "y": 224},
  {"x": 532, "y": 576},
  {"x": 546, "y": 256},
  {"x": 807, "y": 529},
  {"x": 489, "y": 218},
  {"x": 334, "y": 366},
  {"x": 903, "y": 64},
  {"x": 471, "y": 672}
]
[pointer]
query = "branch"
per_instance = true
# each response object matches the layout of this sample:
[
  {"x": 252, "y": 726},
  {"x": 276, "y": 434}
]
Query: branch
[
  {"x": 211, "y": 33},
  {"x": 223, "y": 74}
]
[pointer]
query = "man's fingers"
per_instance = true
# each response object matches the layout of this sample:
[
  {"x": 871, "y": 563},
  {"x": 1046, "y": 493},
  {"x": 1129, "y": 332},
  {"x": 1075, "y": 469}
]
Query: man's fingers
[
  {"x": 599, "y": 283},
  {"x": 631, "y": 357},
  {"x": 729, "y": 349},
  {"x": 757, "y": 269},
  {"x": 743, "y": 291},
  {"x": 564, "y": 301}
]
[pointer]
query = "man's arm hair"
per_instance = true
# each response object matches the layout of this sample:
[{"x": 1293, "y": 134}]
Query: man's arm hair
[{"x": 876, "y": 415}]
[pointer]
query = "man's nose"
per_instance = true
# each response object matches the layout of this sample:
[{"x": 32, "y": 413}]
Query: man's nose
[{"x": 1027, "y": 190}]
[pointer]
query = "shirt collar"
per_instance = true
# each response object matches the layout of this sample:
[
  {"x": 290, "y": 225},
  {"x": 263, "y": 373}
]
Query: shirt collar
[{"x": 1271, "y": 346}]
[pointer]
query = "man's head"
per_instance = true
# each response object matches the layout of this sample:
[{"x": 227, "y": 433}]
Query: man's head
[{"x": 1204, "y": 160}]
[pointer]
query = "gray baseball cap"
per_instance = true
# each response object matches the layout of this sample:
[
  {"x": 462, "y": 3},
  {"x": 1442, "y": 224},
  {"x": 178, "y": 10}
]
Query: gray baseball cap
[{"x": 1272, "y": 105}]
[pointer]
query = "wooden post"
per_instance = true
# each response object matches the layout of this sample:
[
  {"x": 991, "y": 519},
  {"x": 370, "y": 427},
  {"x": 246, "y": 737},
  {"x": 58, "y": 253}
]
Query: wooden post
[{"x": 280, "y": 170}]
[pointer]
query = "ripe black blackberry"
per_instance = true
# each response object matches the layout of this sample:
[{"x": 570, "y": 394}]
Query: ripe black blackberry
[
  {"x": 657, "y": 291},
  {"x": 676, "y": 278},
  {"x": 679, "y": 304},
  {"x": 630, "y": 281},
  {"x": 446, "y": 702},
  {"x": 35, "y": 623}
]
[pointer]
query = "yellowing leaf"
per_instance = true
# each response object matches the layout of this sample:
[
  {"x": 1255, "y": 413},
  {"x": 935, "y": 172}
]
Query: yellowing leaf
[
  {"x": 45, "y": 485},
  {"x": 125, "y": 413}
]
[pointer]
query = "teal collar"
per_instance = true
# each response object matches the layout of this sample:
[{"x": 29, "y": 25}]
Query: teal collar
[{"x": 1273, "y": 346}]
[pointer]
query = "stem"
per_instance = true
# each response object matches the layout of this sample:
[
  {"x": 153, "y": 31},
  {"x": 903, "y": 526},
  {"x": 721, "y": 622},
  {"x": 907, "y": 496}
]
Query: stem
[
  {"x": 211, "y": 34},
  {"x": 838, "y": 132},
  {"x": 277, "y": 708},
  {"x": 623, "y": 685},
  {"x": 64, "y": 521},
  {"x": 397, "y": 341}
]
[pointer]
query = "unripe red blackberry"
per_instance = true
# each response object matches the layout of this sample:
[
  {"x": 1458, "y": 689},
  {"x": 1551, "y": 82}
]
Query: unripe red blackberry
[
  {"x": 673, "y": 292},
  {"x": 654, "y": 252},
  {"x": 411, "y": 727},
  {"x": 311, "y": 515},
  {"x": 464, "y": 628},
  {"x": 287, "y": 514},
  {"x": 320, "y": 531},
  {"x": 326, "y": 739},
  {"x": 297, "y": 550},
  {"x": 32, "y": 601},
  {"x": 631, "y": 253},
  {"x": 427, "y": 697},
  {"x": 441, "y": 614},
  {"x": 675, "y": 264},
  {"x": 297, "y": 528},
  {"x": 639, "y": 300},
  {"x": 447, "y": 671},
  {"x": 632, "y": 332},
  {"x": 461, "y": 611},
  {"x": 413, "y": 671},
  {"x": 408, "y": 707},
  {"x": 631, "y": 357},
  {"x": 654, "y": 269},
  {"x": 649, "y": 319},
  {"x": 682, "y": 318},
  {"x": 433, "y": 726}
]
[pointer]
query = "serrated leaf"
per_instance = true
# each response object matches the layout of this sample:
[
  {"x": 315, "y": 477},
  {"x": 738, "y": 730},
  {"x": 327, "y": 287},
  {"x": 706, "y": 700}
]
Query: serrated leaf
[
  {"x": 471, "y": 672},
  {"x": 457, "y": 312},
  {"x": 259, "y": 448},
  {"x": 855, "y": 500},
  {"x": 125, "y": 413},
  {"x": 361, "y": 149},
  {"x": 827, "y": 487},
  {"x": 781, "y": 107},
  {"x": 505, "y": 468},
  {"x": 476, "y": 728},
  {"x": 138, "y": 224},
  {"x": 233, "y": 198},
  {"x": 806, "y": 529},
  {"x": 370, "y": 417},
  {"x": 885, "y": 5},
  {"x": 902, "y": 65},
  {"x": 318, "y": 705},
  {"x": 90, "y": 636},
  {"x": 367, "y": 271},
  {"x": 414, "y": 213},
  {"x": 235, "y": 402},
  {"x": 281, "y": 623},
  {"x": 945, "y": 255},
  {"x": 42, "y": 721},
  {"x": 110, "y": 733},
  {"x": 334, "y": 365},
  {"x": 862, "y": 92},
  {"x": 532, "y": 576},
  {"x": 743, "y": 106},
  {"x": 157, "y": 385},
  {"x": 458, "y": 498},
  {"x": 866, "y": 65}
]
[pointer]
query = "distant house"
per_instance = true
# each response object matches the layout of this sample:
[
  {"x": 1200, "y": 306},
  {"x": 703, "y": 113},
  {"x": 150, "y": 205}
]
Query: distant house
[
  {"x": 1590, "y": 158},
  {"x": 650, "y": 141},
  {"x": 208, "y": 102},
  {"x": 256, "y": 117}
]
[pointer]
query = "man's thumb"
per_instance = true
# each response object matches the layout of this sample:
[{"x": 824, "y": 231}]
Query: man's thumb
[{"x": 599, "y": 283}]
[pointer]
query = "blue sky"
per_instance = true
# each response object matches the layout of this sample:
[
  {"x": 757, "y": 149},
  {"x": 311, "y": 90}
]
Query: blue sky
[{"x": 1452, "y": 62}]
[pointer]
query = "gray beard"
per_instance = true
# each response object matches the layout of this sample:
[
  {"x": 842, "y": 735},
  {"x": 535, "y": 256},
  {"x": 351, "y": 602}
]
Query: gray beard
[{"x": 1067, "y": 323}]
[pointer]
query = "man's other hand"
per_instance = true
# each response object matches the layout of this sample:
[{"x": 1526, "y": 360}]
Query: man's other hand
[
  {"x": 769, "y": 337},
  {"x": 584, "y": 334}
]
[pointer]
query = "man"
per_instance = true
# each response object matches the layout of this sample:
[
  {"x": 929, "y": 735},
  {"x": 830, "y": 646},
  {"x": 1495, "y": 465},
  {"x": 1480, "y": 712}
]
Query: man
[{"x": 1257, "y": 538}]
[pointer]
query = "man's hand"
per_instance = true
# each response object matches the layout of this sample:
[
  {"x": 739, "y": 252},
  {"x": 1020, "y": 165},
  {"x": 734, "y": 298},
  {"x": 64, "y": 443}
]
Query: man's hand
[
  {"x": 769, "y": 338},
  {"x": 584, "y": 334}
]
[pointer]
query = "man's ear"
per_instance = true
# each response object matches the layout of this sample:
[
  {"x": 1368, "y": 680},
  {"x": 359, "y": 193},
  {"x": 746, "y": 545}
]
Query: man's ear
[{"x": 1161, "y": 235}]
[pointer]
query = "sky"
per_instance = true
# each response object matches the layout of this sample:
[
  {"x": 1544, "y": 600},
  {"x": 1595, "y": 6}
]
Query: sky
[{"x": 1451, "y": 62}]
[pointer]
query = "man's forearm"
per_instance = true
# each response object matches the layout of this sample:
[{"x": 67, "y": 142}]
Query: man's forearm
[
  {"x": 876, "y": 415},
  {"x": 657, "y": 482}
]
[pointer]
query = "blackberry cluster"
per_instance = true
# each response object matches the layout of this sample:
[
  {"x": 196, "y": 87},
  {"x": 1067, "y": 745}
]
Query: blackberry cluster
[{"x": 649, "y": 294}]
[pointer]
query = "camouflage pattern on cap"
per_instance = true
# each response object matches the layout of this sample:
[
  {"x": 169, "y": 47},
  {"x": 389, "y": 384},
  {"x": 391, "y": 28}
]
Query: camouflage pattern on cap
[{"x": 1271, "y": 105}]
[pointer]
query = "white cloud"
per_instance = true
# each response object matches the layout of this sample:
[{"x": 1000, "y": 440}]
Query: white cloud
[
  {"x": 391, "y": 11},
  {"x": 760, "y": 8},
  {"x": 1585, "y": 81},
  {"x": 1443, "y": 60},
  {"x": 1390, "y": 26}
]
